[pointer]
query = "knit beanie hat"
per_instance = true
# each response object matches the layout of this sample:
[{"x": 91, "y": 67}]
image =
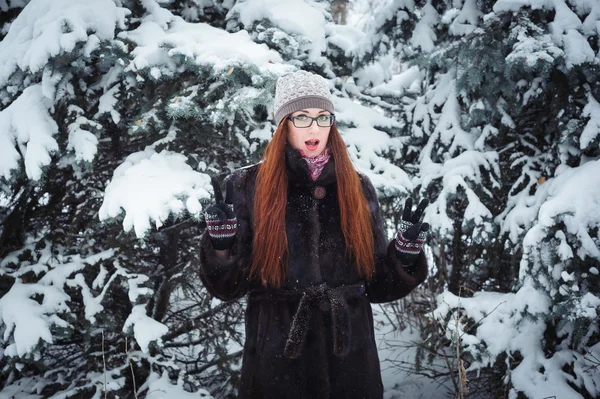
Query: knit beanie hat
[{"x": 301, "y": 90}]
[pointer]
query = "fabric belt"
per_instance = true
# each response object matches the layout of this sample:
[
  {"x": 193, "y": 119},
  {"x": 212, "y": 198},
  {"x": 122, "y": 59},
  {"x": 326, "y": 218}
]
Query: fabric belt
[{"x": 311, "y": 299}]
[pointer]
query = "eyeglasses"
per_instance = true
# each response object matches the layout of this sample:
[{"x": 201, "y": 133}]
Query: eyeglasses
[{"x": 304, "y": 121}]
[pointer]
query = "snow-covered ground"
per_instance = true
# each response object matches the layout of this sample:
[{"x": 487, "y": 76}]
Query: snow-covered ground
[{"x": 397, "y": 353}]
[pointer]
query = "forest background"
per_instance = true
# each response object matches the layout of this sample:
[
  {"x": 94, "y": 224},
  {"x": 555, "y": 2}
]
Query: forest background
[{"x": 115, "y": 113}]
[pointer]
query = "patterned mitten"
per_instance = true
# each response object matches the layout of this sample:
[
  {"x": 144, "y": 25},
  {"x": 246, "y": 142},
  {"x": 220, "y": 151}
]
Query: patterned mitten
[
  {"x": 220, "y": 217},
  {"x": 411, "y": 236}
]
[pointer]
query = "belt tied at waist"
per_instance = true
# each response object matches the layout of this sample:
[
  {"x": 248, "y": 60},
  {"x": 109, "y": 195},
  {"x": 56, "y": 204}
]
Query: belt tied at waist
[{"x": 310, "y": 300}]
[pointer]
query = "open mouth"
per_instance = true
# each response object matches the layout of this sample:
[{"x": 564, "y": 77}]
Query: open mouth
[{"x": 312, "y": 144}]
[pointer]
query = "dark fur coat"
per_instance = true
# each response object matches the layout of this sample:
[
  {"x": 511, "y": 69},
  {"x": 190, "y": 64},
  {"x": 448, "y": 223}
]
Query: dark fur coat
[{"x": 313, "y": 337}]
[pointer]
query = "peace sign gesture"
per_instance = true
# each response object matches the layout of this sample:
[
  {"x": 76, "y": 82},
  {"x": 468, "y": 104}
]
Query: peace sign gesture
[
  {"x": 221, "y": 222},
  {"x": 412, "y": 233}
]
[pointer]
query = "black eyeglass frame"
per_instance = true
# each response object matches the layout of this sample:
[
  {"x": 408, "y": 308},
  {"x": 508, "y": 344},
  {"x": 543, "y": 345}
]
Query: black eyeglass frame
[{"x": 293, "y": 119}]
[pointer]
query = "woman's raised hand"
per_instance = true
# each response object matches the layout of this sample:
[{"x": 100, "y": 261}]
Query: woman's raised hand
[
  {"x": 220, "y": 217},
  {"x": 411, "y": 236}
]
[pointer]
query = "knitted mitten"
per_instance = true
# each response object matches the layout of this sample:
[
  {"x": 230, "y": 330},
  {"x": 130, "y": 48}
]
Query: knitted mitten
[
  {"x": 220, "y": 217},
  {"x": 412, "y": 233}
]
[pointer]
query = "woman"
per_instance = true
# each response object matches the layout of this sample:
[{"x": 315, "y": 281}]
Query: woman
[{"x": 301, "y": 234}]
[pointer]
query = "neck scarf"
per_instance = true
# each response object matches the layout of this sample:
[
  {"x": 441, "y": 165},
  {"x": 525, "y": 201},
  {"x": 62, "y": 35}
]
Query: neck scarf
[{"x": 317, "y": 164}]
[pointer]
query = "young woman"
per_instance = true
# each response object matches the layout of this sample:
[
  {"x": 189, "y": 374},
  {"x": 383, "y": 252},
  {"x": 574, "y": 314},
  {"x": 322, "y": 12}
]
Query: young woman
[{"x": 302, "y": 236}]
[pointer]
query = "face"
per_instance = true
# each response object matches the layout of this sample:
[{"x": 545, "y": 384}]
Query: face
[{"x": 310, "y": 141}]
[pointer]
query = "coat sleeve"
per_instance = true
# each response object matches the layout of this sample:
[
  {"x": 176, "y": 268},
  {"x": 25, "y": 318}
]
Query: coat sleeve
[
  {"x": 228, "y": 279},
  {"x": 391, "y": 280}
]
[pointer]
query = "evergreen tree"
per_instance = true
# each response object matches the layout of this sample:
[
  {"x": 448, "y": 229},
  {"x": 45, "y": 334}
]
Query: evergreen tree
[
  {"x": 501, "y": 128},
  {"x": 124, "y": 125}
]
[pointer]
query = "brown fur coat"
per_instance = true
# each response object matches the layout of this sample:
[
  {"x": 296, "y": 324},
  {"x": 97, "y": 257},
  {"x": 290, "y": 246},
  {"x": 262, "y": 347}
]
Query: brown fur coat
[{"x": 314, "y": 337}]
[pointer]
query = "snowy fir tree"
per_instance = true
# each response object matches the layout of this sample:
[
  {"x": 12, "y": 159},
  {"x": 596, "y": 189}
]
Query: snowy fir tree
[
  {"x": 113, "y": 117},
  {"x": 114, "y": 114},
  {"x": 497, "y": 101}
]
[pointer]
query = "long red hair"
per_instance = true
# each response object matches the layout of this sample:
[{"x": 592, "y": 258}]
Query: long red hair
[{"x": 270, "y": 245}]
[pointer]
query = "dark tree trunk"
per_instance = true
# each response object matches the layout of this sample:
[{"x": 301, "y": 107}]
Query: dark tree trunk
[{"x": 455, "y": 275}]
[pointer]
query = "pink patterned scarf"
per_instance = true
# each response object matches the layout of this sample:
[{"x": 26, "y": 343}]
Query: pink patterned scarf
[{"x": 317, "y": 164}]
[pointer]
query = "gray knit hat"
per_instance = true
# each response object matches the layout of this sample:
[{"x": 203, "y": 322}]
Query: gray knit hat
[{"x": 301, "y": 90}]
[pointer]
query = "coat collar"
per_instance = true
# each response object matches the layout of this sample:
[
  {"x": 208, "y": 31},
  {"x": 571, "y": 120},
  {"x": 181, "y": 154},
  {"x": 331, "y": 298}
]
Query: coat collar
[{"x": 299, "y": 174}]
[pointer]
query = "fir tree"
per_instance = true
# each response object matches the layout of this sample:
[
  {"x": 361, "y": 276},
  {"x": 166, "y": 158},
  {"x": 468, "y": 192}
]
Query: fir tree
[
  {"x": 501, "y": 129},
  {"x": 120, "y": 310}
]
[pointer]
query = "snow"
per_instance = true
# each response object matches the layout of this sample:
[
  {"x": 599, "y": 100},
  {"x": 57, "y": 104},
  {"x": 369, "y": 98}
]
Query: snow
[
  {"x": 561, "y": 198},
  {"x": 589, "y": 304},
  {"x": 559, "y": 201},
  {"x": 590, "y": 23},
  {"x": 26, "y": 320},
  {"x": 145, "y": 329},
  {"x": 565, "y": 252},
  {"x": 135, "y": 291},
  {"x": 449, "y": 127},
  {"x": 160, "y": 387},
  {"x": 107, "y": 102},
  {"x": 532, "y": 50},
  {"x": 30, "y": 137},
  {"x": 343, "y": 36},
  {"x": 515, "y": 5},
  {"x": 263, "y": 134},
  {"x": 496, "y": 312},
  {"x": 423, "y": 35},
  {"x": 99, "y": 280},
  {"x": 409, "y": 80},
  {"x": 450, "y": 156},
  {"x": 466, "y": 20},
  {"x": 366, "y": 143},
  {"x": 149, "y": 186},
  {"x": 397, "y": 352},
  {"x": 45, "y": 29},
  {"x": 81, "y": 141},
  {"x": 17, "y": 390},
  {"x": 577, "y": 49},
  {"x": 565, "y": 31},
  {"x": 59, "y": 26},
  {"x": 373, "y": 74},
  {"x": 199, "y": 43},
  {"x": 564, "y": 20},
  {"x": 592, "y": 128},
  {"x": 462, "y": 171},
  {"x": 292, "y": 16},
  {"x": 533, "y": 91}
]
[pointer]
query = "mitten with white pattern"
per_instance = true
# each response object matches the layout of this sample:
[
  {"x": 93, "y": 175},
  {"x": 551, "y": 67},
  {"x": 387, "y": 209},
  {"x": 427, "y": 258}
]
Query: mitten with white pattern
[
  {"x": 412, "y": 233},
  {"x": 221, "y": 222}
]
